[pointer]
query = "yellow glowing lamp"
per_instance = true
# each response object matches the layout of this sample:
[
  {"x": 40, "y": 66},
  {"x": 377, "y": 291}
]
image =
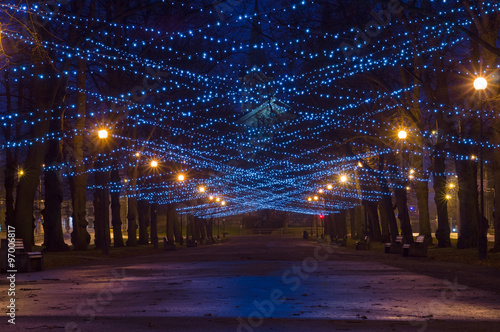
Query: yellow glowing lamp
[
  {"x": 201, "y": 189},
  {"x": 103, "y": 133},
  {"x": 180, "y": 177},
  {"x": 480, "y": 83},
  {"x": 402, "y": 134},
  {"x": 329, "y": 187},
  {"x": 343, "y": 178},
  {"x": 154, "y": 163}
]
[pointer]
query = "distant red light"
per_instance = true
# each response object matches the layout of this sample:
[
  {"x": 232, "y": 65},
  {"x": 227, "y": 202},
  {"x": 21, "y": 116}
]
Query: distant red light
[{"x": 321, "y": 216}]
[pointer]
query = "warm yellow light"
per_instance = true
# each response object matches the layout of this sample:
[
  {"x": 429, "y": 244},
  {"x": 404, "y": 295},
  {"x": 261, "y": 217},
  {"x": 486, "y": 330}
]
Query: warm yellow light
[
  {"x": 309, "y": 199},
  {"x": 217, "y": 199},
  {"x": 402, "y": 134},
  {"x": 451, "y": 185},
  {"x": 180, "y": 177},
  {"x": 201, "y": 189},
  {"x": 411, "y": 177},
  {"x": 480, "y": 83},
  {"x": 360, "y": 164},
  {"x": 125, "y": 180},
  {"x": 20, "y": 172},
  {"x": 448, "y": 196},
  {"x": 154, "y": 163},
  {"x": 223, "y": 203},
  {"x": 137, "y": 154},
  {"x": 408, "y": 188},
  {"x": 211, "y": 198},
  {"x": 473, "y": 157},
  {"x": 329, "y": 187},
  {"x": 343, "y": 178},
  {"x": 316, "y": 198},
  {"x": 103, "y": 133},
  {"x": 320, "y": 190},
  {"x": 412, "y": 171}
]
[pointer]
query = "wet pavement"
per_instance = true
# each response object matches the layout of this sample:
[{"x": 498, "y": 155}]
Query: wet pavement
[{"x": 258, "y": 283}]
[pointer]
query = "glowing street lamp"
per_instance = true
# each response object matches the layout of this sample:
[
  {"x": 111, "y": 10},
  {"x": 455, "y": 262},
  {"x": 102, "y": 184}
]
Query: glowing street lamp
[
  {"x": 103, "y": 134},
  {"x": 402, "y": 134},
  {"x": 309, "y": 199},
  {"x": 329, "y": 187},
  {"x": 154, "y": 163},
  {"x": 343, "y": 178},
  {"x": 181, "y": 177},
  {"x": 480, "y": 83},
  {"x": 320, "y": 191},
  {"x": 201, "y": 189},
  {"x": 316, "y": 198}
]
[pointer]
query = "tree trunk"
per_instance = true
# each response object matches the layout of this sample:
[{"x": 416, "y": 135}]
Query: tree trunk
[
  {"x": 340, "y": 223},
  {"x": 496, "y": 217},
  {"x": 403, "y": 215},
  {"x": 373, "y": 221},
  {"x": 422, "y": 190},
  {"x": 132, "y": 213},
  {"x": 10, "y": 156},
  {"x": 45, "y": 91},
  {"x": 443, "y": 229},
  {"x": 352, "y": 220},
  {"x": 469, "y": 207},
  {"x": 142, "y": 209},
  {"x": 101, "y": 207},
  {"x": 171, "y": 217},
  {"x": 384, "y": 217},
  {"x": 80, "y": 238},
  {"x": 359, "y": 220},
  {"x": 116, "y": 220},
  {"x": 52, "y": 211},
  {"x": 154, "y": 224}
]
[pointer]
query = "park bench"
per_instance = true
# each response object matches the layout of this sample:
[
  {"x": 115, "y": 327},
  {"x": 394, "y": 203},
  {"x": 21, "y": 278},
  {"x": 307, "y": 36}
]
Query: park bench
[
  {"x": 167, "y": 245},
  {"x": 394, "y": 247},
  {"x": 363, "y": 244},
  {"x": 340, "y": 242},
  {"x": 417, "y": 249},
  {"x": 25, "y": 261},
  {"x": 261, "y": 231}
]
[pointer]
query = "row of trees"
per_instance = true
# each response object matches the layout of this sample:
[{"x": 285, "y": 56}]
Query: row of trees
[{"x": 163, "y": 79}]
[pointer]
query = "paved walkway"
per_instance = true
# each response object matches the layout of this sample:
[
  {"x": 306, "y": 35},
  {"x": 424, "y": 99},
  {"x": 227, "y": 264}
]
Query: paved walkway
[{"x": 258, "y": 283}]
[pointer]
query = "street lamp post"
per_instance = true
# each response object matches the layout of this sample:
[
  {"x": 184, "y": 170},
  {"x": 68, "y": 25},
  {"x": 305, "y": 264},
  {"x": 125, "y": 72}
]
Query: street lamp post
[
  {"x": 181, "y": 178},
  {"x": 154, "y": 207},
  {"x": 480, "y": 84},
  {"x": 102, "y": 196}
]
